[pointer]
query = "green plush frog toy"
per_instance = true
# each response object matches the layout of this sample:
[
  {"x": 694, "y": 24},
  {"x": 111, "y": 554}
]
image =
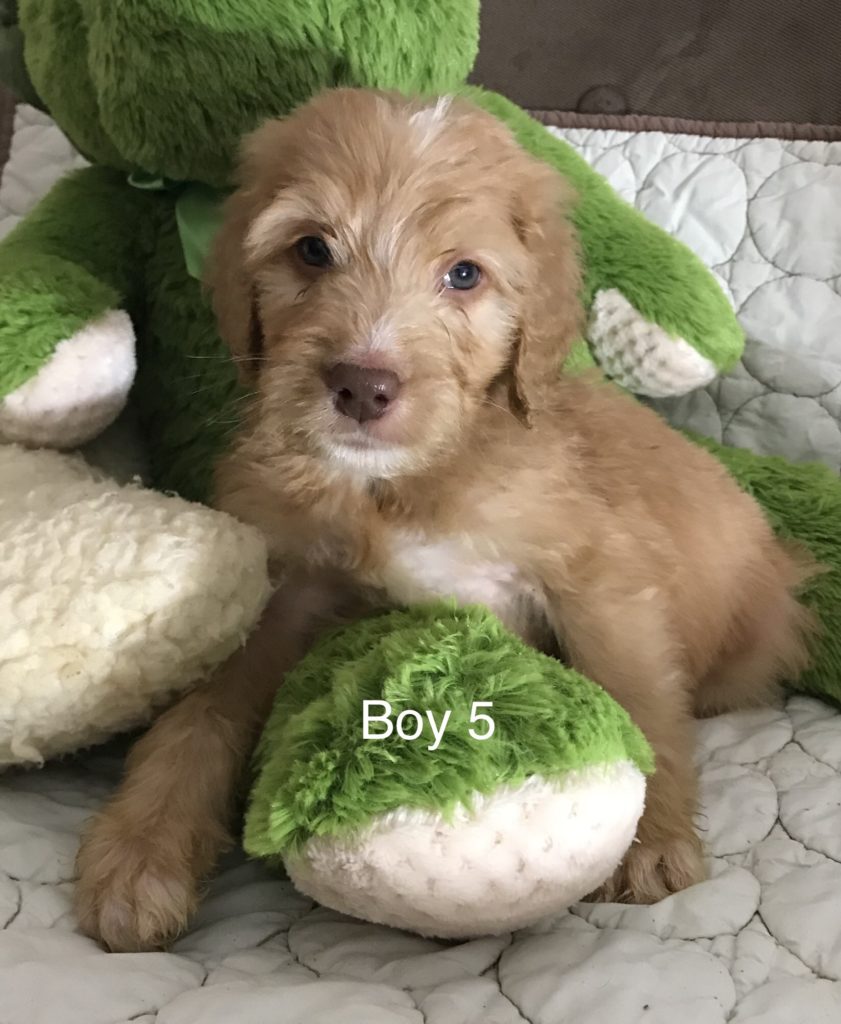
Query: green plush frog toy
[{"x": 100, "y": 298}]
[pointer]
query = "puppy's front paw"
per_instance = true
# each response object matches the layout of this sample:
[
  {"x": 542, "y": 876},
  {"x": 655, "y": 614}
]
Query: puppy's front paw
[
  {"x": 653, "y": 870},
  {"x": 134, "y": 892}
]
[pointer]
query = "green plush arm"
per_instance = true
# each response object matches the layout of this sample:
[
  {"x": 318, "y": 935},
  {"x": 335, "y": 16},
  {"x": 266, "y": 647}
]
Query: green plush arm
[
  {"x": 68, "y": 273},
  {"x": 658, "y": 321}
]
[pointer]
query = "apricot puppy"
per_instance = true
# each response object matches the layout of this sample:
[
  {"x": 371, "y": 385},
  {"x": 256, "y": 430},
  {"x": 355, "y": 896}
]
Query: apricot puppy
[{"x": 399, "y": 285}]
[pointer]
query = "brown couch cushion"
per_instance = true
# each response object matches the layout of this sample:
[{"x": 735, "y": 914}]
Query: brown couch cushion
[
  {"x": 716, "y": 60},
  {"x": 7, "y": 117}
]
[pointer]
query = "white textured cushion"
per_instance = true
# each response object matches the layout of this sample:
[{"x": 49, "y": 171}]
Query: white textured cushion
[{"x": 112, "y": 599}]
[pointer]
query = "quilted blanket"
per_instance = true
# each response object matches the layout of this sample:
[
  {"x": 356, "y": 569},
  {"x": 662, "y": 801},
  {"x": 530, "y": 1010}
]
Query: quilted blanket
[
  {"x": 765, "y": 215},
  {"x": 758, "y": 943}
]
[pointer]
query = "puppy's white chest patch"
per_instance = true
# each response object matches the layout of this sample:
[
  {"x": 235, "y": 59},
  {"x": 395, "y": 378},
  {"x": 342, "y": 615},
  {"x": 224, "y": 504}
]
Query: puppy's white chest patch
[{"x": 420, "y": 569}]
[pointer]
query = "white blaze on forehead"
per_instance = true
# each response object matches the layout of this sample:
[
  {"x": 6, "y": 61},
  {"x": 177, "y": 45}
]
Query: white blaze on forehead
[
  {"x": 381, "y": 338},
  {"x": 386, "y": 240},
  {"x": 427, "y": 122}
]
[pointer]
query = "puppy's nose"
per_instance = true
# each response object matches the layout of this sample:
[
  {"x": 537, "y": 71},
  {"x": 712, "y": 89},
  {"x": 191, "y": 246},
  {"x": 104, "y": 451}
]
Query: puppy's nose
[{"x": 362, "y": 392}]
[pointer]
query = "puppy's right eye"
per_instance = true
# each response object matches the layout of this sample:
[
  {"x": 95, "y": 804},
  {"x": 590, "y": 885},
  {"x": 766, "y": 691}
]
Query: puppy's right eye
[
  {"x": 463, "y": 276},
  {"x": 314, "y": 251}
]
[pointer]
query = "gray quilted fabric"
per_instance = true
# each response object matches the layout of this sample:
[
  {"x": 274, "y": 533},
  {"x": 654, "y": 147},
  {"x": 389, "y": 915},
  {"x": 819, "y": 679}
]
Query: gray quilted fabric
[{"x": 765, "y": 215}]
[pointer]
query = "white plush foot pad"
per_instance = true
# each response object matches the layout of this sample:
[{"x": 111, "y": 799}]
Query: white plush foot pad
[
  {"x": 524, "y": 853},
  {"x": 79, "y": 392},
  {"x": 641, "y": 356}
]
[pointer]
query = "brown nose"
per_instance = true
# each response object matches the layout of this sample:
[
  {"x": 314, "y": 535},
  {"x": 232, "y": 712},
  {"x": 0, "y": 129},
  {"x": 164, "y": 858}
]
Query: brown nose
[{"x": 361, "y": 392}]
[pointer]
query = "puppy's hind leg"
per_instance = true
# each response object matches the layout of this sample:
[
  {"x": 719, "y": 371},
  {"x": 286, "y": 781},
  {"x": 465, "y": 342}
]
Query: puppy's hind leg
[{"x": 769, "y": 639}]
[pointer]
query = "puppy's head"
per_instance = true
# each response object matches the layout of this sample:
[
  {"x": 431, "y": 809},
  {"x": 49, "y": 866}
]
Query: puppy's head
[{"x": 388, "y": 269}]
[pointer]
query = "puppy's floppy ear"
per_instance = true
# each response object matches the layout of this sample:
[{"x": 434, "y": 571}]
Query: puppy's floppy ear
[
  {"x": 551, "y": 315},
  {"x": 229, "y": 275},
  {"x": 232, "y": 287}
]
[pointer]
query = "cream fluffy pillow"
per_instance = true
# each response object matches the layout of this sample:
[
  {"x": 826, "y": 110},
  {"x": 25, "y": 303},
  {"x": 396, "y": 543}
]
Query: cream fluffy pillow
[{"x": 112, "y": 600}]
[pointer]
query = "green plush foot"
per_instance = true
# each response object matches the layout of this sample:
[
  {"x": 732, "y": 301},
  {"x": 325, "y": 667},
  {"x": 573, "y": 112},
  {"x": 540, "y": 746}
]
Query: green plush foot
[
  {"x": 640, "y": 355},
  {"x": 67, "y": 352},
  {"x": 500, "y": 863},
  {"x": 66, "y": 273},
  {"x": 448, "y": 833},
  {"x": 80, "y": 389}
]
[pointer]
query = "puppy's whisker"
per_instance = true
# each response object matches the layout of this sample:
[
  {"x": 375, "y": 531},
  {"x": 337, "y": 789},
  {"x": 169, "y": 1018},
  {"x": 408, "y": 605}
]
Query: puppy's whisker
[
  {"x": 214, "y": 388},
  {"x": 218, "y": 422}
]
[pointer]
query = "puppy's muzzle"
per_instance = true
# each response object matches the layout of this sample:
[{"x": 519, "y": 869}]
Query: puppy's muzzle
[{"x": 362, "y": 393}]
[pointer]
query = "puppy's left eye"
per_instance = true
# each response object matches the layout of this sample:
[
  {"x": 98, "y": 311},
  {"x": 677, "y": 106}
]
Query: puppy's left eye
[
  {"x": 314, "y": 251},
  {"x": 463, "y": 276}
]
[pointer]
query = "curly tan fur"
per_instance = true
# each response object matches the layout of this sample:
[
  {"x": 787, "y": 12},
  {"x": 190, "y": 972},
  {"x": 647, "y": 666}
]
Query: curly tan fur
[{"x": 575, "y": 513}]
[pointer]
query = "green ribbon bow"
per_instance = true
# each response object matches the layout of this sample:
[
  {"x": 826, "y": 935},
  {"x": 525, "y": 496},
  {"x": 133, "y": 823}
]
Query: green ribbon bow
[{"x": 198, "y": 214}]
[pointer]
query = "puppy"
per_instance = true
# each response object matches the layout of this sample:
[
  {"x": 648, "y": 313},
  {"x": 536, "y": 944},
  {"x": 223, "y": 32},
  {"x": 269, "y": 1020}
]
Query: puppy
[{"x": 399, "y": 285}]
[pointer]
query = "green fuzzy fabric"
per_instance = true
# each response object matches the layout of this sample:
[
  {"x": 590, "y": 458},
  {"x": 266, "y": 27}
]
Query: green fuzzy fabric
[
  {"x": 169, "y": 86},
  {"x": 187, "y": 392},
  {"x": 659, "y": 275},
  {"x": 53, "y": 277},
  {"x": 803, "y": 504},
  {"x": 318, "y": 776}
]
